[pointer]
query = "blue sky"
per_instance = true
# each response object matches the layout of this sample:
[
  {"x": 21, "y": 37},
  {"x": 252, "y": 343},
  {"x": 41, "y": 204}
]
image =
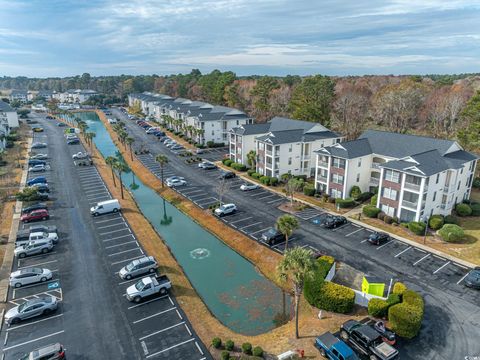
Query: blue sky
[{"x": 277, "y": 37}]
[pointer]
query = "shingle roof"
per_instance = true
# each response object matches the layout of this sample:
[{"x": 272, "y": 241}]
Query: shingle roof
[
  {"x": 426, "y": 163},
  {"x": 251, "y": 129},
  {"x": 4, "y": 107},
  {"x": 19, "y": 92},
  {"x": 281, "y": 123},
  {"x": 348, "y": 150},
  {"x": 296, "y": 135}
]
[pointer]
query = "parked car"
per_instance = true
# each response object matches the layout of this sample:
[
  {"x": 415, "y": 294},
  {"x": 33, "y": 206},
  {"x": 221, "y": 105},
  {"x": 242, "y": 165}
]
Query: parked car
[
  {"x": 43, "y": 235},
  {"x": 171, "y": 144},
  {"x": 249, "y": 186},
  {"x": 209, "y": 166},
  {"x": 227, "y": 175},
  {"x": 80, "y": 155},
  {"x": 171, "y": 178},
  {"x": 378, "y": 238},
  {"x": 152, "y": 129},
  {"x": 61, "y": 124},
  {"x": 330, "y": 347},
  {"x": 225, "y": 209},
  {"x": 367, "y": 341},
  {"x": 39, "y": 157},
  {"x": 48, "y": 352},
  {"x": 472, "y": 280},
  {"x": 176, "y": 182},
  {"x": 334, "y": 221},
  {"x": 199, "y": 151},
  {"x": 138, "y": 267},
  {"x": 38, "y": 168},
  {"x": 73, "y": 141},
  {"x": 42, "y": 196},
  {"x": 43, "y": 228},
  {"x": 39, "y": 145},
  {"x": 29, "y": 275},
  {"x": 105, "y": 207},
  {"x": 71, "y": 136},
  {"x": 148, "y": 286},
  {"x": 37, "y": 129},
  {"x": 33, "y": 162},
  {"x": 177, "y": 147},
  {"x": 43, "y": 188},
  {"x": 273, "y": 236},
  {"x": 33, "y": 248},
  {"x": 37, "y": 206},
  {"x": 49, "y": 117},
  {"x": 35, "y": 215},
  {"x": 37, "y": 180},
  {"x": 31, "y": 308}
]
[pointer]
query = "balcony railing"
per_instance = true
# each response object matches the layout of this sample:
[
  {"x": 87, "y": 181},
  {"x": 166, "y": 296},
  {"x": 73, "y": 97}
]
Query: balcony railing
[
  {"x": 412, "y": 186},
  {"x": 376, "y": 165},
  {"x": 409, "y": 204},
  {"x": 306, "y": 157},
  {"x": 374, "y": 181},
  {"x": 323, "y": 164},
  {"x": 268, "y": 152},
  {"x": 323, "y": 179}
]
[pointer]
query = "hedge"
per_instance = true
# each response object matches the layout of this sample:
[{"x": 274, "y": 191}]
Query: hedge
[
  {"x": 412, "y": 298},
  {"x": 436, "y": 222},
  {"x": 373, "y": 200},
  {"x": 256, "y": 175},
  {"x": 364, "y": 197},
  {"x": 313, "y": 285},
  {"x": 265, "y": 180},
  {"x": 229, "y": 345},
  {"x": 475, "y": 209},
  {"x": 247, "y": 348},
  {"x": 257, "y": 351},
  {"x": 227, "y": 162},
  {"x": 344, "y": 203},
  {"x": 451, "y": 233},
  {"x": 405, "y": 319},
  {"x": 418, "y": 228},
  {"x": 238, "y": 166},
  {"x": 355, "y": 192},
  {"x": 394, "y": 299},
  {"x": 370, "y": 211},
  {"x": 216, "y": 342},
  {"x": 399, "y": 288},
  {"x": 336, "y": 298},
  {"x": 381, "y": 215},
  {"x": 309, "y": 190},
  {"x": 463, "y": 210},
  {"x": 450, "y": 219},
  {"x": 273, "y": 181},
  {"x": 387, "y": 219},
  {"x": 250, "y": 172},
  {"x": 377, "y": 307}
]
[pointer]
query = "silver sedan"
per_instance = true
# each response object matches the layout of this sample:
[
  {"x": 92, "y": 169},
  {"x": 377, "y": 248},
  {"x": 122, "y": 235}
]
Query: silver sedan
[
  {"x": 29, "y": 276},
  {"x": 31, "y": 308}
]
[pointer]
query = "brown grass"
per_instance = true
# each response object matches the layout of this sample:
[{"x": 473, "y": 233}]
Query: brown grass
[{"x": 205, "y": 324}]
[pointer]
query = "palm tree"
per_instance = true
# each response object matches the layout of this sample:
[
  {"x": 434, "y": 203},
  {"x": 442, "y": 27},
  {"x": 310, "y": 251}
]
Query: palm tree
[
  {"x": 252, "y": 159},
  {"x": 162, "y": 160},
  {"x": 120, "y": 166},
  {"x": 129, "y": 140},
  {"x": 91, "y": 135},
  {"x": 296, "y": 266},
  {"x": 286, "y": 224},
  {"x": 111, "y": 160},
  {"x": 200, "y": 133}
]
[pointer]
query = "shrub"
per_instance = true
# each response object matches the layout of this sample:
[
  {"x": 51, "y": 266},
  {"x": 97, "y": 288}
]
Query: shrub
[
  {"x": 476, "y": 183},
  {"x": 229, "y": 345},
  {"x": 225, "y": 355},
  {"x": 247, "y": 348},
  {"x": 258, "y": 351},
  {"x": 364, "y": 197},
  {"x": 373, "y": 200},
  {"x": 436, "y": 222},
  {"x": 475, "y": 209},
  {"x": 377, "y": 307},
  {"x": 313, "y": 285},
  {"x": 394, "y": 299},
  {"x": 381, "y": 215},
  {"x": 301, "y": 177},
  {"x": 344, "y": 203},
  {"x": 395, "y": 220},
  {"x": 250, "y": 172},
  {"x": 418, "y": 228},
  {"x": 9, "y": 144},
  {"x": 309, "y": 190},
  {"x": 451, "y": 233},
  {"x": 370, "y": 211},
  {"x": 285, "y": 177},
  {"x": 265, "y": 180},
  {"x": 463, "y": 210},
  {"x": 273, "y": 181},
  {"x": 216, "y": 342},
  {"x": 355, "y": 192},
  {"x": 256, "y": 175},
  {"x": 412, "y": 298},
  {"x": 405, "y": 319},
  {"x": 388, "y": 219},
  {"x": 210, "y": 143},
  {"x": 450, "y": 219},
  {"x": 334, "y": 297},
  {"x": 227, "y": 162},
  {"x": 331, "y": 200},
  {"x": 239, "y": 167},
  {"x": 399, "y": 288}
]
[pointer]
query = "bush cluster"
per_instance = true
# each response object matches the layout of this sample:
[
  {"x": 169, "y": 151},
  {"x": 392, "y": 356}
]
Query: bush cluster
[
  {"x": 463, "y": 210},
  {"x": 370, "y": 211},
  {"x": 406, "y": 317},
  {"x": 476, "y": 183},
  {"x": 216, "y": 342},
  {"x": 238, "y": 166},
  {"x": 227, "y": 162},
  {"x": 344, "y": 203},
  {"x": 212, "y": 144},
  {"x": 418, "y": 228},
  {"x": 265, "y": 180},
  {"x": 229, "y": 345},
  {"x": 309, "y": 190},
  {"x": 250, "y": 172},
  {"x": 399, "y": 288},
  {"x": 451, "y": 233},
  {"x": 436, "y": 222},
  {"x": 247, "y": 348},
  {"x": 364, "y": 197},
  {"x": 450, "y": 219},
  {"x": 373, "y": 200},
  {"x": 377, "y": 307},
  {"x": 475, "y": 209},
  {"x": 355, "y": 192},
  {"x": 255, "y": 175}
]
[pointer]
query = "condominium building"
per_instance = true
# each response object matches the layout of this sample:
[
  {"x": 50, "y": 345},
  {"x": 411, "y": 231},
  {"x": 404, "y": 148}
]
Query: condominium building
[
  {"x": 8, "y": 120},
  {"x": 74, "y": 95},
  {"x": 19, "y": 95},
  {"x": 416, "y": 176},
  {"x": 281, "y": 145}
]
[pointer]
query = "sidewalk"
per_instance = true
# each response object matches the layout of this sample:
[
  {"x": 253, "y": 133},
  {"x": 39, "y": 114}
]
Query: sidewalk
[{"x": 355, "y": 211}]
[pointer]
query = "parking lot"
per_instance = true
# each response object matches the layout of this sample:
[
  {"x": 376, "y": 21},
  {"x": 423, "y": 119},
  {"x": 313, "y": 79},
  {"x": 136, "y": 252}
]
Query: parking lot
[{"x": 93, "y": 318}]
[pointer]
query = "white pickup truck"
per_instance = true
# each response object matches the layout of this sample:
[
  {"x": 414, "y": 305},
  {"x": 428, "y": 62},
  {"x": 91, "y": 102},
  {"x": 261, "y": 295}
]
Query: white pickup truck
[{"x": 148, "y": 286}]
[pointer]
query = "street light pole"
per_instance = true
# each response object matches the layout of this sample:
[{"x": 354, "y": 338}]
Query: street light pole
[{"x": 426, "y": 230}]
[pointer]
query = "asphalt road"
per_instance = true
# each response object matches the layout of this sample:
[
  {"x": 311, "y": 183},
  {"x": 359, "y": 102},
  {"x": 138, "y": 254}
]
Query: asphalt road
[
  {"x": 94, "y": 320},
  {"x": 452, "y": 313}
]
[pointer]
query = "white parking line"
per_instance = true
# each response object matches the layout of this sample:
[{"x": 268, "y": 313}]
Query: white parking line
[
  {"x": 256, "y": 232},
  {"x": 103, "y": 221},
  {"x": 124, "y": 251},
  {"x": 191, "y": 192},
  {"x": 199, "y": 349},
  {"x": 121, "y": 244},
  {"x": 233, "y": 222},
  {"x": 88, "y": 176},
  {"x": 116, "y": 231},
  {"x": 202, "y": 197},
  {"x": 463, "y": 277},
  {"x": 34, "y": 322},
  {"x": 43, "y": 263},
  {"x": 363, "y": 241},
  {"x": 401, "y": 252},
  {"x": 153, "y": 315},
  {"x": 266, "y": 197},
  {"x": 257, "y": 223},
  {"x": 441, "y": 267},
  {"x": 188, "y": 329},
  {"x": 94, "y": 189},
  {"x": 423, "y": 258},
  {"x": 178, "y": 313},
  {"x": 147, "y": 302},
  {"x": 169, "y": 348},
  {"x": 126, "y": 260},
  {"x": 97, "y": 194},
  {"x": 34, "y": 340},
  {"x": 273, "y": 201},
  {"x": 111, "y": 225},
  {"x": 381, "y": 246},
  {"x": 119, "y": 237},
  {"x": 353, "y": 232},
  {"x": 160, "y": 331}
]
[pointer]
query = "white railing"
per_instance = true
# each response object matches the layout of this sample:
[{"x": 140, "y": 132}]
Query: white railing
[
  {"x": 376, "y": 165},
  {"x": 412, "y": 186},
  {"x": 409, "y": 204},
  {"x": 331, "y": 273},
  {"x": 363, "y": 299},
  {"x": 323, "y": 164},
  {"x": 374, "y": 181},
  {"x": 323, "y": 179}
]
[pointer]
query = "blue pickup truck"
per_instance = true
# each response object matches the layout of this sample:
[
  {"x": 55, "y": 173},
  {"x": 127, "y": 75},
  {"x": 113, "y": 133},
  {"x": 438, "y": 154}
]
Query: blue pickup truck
[{"x": 333, "y": 348}]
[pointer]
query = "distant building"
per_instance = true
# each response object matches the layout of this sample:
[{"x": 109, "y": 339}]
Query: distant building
[
  {"x": 8, "y": 120},
  {"x": 45, "y": 94},
  {"x": 416, "y": 176},
  {"x": 74, "y": 95},
  {"x": 19, "y": 95}
]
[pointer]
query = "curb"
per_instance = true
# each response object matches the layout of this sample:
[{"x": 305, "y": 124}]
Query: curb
[{"x": 360, "y": 223}]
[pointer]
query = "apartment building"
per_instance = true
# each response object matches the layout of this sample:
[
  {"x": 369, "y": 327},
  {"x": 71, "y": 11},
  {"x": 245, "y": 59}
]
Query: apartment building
[
  {"x": 19, "y": 95},
  {"x": 416, "y": 176},
  {"x": 282, "y": 145},
  {"x": 8, "y": 120},
  {"x": 74, "y": 95}
]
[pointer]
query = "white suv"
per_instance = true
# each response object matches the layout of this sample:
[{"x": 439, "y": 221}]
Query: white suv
[
  {"x": 225, "y": 209},
  {"x": 43, "y": 236}
]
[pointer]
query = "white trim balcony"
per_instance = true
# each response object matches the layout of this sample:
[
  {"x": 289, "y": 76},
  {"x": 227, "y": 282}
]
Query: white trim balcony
[
  {"x": 374, "y": 181},
  {"x": 322, "y": 164},
  {"x": 409, "y": 204}
]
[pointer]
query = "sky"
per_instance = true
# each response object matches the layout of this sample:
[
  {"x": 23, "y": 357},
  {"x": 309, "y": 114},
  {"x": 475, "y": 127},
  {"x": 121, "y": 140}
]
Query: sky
[{"x": 42, "y": 38}]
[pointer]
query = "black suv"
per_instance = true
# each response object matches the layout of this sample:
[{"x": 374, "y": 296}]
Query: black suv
[
  {"x": 273, "y": 236},
  {"x": 37, "y": 206},
  {"x": 227, "y": 175},
  {"x": 378, "y": 238},
  {"x": 367, "y": 341},
  {"x": 334, "y": 221}
]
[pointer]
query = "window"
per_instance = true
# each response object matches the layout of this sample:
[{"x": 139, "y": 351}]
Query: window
[
  {"x": 359, "y": 163},
  {"x": 335, "y": 193},
  {"x": 238, "y": 122},
  {"x": 472, "y": 165},
  {"x": 213, "y": 125},
  {"x": 337, "y": 179},
  {"x": 438, "y": 178},
  {"x": 458, "y": 187},
  {"x": 339, "y": 163},
  {"x": 290, "y": 148},
  {"x": 389, "y": 210},
  {"x": 290, "y": 161},
  {"x": 393, "y": 176},
  {"x": 390, "y": 193},
  {"x": 358, "y": 177},
  {"x": 434, "y": 195},
  {"x": 213, "y": 132}
]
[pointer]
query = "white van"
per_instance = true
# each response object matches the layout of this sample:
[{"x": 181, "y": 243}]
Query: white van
[{"x": 105, "y": 207}]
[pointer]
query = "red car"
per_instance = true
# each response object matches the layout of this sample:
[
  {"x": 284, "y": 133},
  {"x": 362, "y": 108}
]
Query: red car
[{"x": 35, "y": 215}]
